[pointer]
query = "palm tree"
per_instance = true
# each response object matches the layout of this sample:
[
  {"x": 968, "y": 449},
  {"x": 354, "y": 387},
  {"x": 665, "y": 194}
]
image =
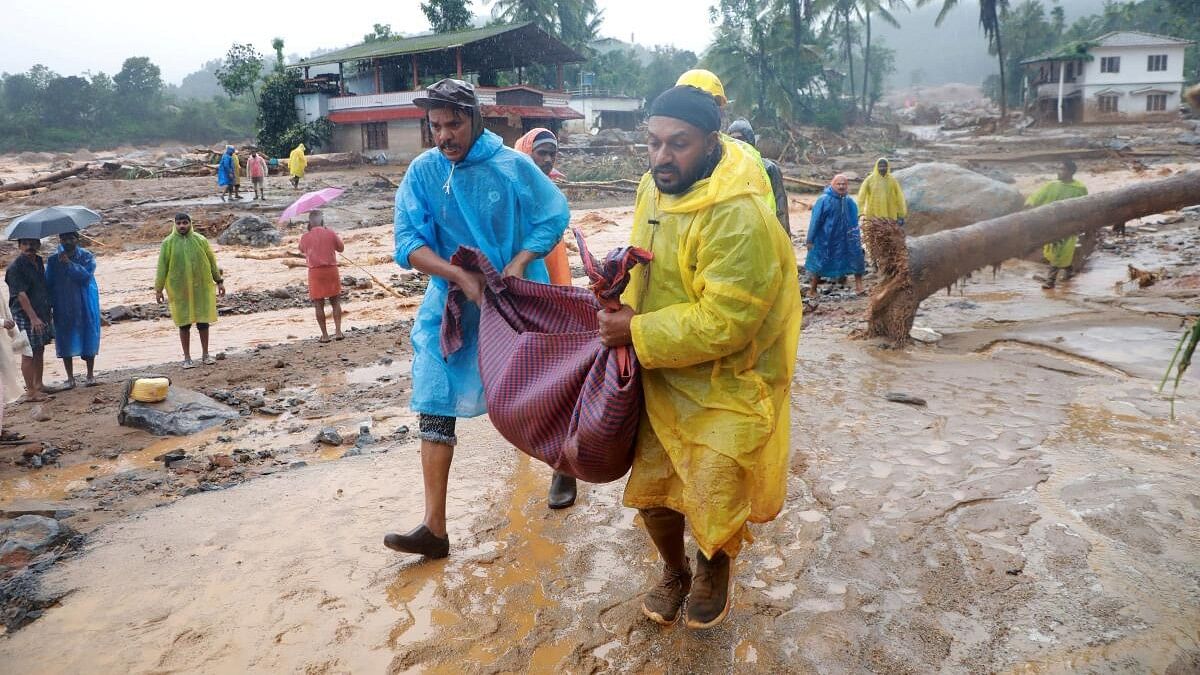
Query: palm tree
[
  {"x": 884, "y": 9},
  {"x": 989, "y": 20}
]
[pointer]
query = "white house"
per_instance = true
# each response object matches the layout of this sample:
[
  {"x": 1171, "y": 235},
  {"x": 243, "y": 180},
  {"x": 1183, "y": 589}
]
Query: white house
[
  {"x": 604, "y": 110},
  {"x": 1124, "y": 76}
]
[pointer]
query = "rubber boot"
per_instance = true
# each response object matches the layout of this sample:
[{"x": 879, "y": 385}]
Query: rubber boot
[
  {"x": 712, "y": 595},
  {"x": 1051, "y": 278},
  {"x": 562, "y": 491},
  {"x": 663, "y": 603}
]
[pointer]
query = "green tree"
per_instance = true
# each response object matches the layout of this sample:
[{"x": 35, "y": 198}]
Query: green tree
[
  {"x": 884, "y": 9},
  {"x": 240, "y": 71},
  {"x": 619, "y": 70},
  {"x": 990, "y": 12},
  {"x": 665, "y": 67},
  {"x": 381, "y": 31},
  {"x": 139, "y": 87},
  {"x": 447, "y": 16},
  {"x": 277, "y": 111},
  {"x": 277, "y": 45},
  {"x": 1029, "y": 34},
  {"x": 67, "y": 102}
]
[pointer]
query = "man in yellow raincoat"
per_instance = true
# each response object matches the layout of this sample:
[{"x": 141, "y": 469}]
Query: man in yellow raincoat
[
  {"x": 296, "y": 164},
  {"x": 880, "y": 195},
  {"x": 714, "y": 321},
  {"x": 188, "y": 272},
  {"x": 1060, "y": 254}
]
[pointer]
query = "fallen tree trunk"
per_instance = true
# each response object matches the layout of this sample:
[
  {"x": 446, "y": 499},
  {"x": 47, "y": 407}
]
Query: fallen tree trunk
[
  {"x": 933, "y": 262},
  {"x": 44, "y": 180}
]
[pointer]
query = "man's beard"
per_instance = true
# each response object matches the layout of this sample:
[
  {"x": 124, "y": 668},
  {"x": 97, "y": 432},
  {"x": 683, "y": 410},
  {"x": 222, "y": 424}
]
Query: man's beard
[{"x": 686, "y": 179}]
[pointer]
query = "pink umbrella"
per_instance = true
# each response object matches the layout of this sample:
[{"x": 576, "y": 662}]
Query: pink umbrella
[{"x": 309, "y": 201}]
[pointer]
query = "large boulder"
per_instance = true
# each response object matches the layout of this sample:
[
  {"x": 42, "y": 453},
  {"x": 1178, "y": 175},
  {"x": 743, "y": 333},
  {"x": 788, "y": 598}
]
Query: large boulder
[
  {"x": 250, "y": 231},
  {"x": 26, "y": 537},
  {"x": 945, "y": 196},
  {"x": 182, "y": 413}
]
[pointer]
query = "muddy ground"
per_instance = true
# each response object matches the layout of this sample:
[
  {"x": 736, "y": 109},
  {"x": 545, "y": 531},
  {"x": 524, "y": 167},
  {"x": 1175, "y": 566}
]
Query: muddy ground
[{"x": 1038, "y": 514}]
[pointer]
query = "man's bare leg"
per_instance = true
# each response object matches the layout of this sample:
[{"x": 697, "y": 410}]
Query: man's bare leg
[
  {"x": 435, "y": 472},
  {"x": 319, "y": 307},
  {"x": 858, "y": 287},
  {"x": 185, "y": 341},
  {"x": 203, "y": 343},
  {"x": 69, "y": 367},
  {"x": 91, "y": 369},
  {"x": 336, "y": 303},
  {"x": 33, "y": 392}
]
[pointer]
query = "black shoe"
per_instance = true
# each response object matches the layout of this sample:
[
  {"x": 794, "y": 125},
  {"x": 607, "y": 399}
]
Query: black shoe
[
  {"x": 420, "y": 541},
  {"x": 562, "y": 491}
]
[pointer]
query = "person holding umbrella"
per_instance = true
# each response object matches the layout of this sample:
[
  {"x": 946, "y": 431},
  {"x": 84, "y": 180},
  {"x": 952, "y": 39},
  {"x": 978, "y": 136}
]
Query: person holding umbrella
[
  {"x": 75, "y": 301},
  {"x": 188, "y": 272},
  {"x": 29, "y": 300},
  {"x": 320, "y": 246}
]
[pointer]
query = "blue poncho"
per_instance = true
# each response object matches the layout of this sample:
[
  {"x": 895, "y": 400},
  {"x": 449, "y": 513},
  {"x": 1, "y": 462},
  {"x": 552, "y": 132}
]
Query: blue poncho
[
  {"x": 834, "y": 242},
  {"x": 495, "y": 200},
  {"x": 76, "y": 302},
  {"x": 225, "y": 169}
]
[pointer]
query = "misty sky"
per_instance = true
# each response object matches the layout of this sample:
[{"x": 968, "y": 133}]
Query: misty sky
[{"x": 81, "y": 35}]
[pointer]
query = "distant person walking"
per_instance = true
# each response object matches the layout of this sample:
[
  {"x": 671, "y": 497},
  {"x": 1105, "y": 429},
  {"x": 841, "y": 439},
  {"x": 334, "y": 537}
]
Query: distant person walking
[
  {"x": 13, "y": 342},
  {"x": 75, "y": 299},
  {"x": 225, "y": 173},
  {"x": 834, "y": 241},
  {"x": 257, "y": 168},
  {"x": 297, "y": 162},
  {"x": 188, "y": 272},
  {"x": 320, "y": 246},
  {"x": 238, "y": 172},
  {"x": 1060, "y": 254},
  {"x": 29, "y": 300},
  {"x": 740, "y": 130}
]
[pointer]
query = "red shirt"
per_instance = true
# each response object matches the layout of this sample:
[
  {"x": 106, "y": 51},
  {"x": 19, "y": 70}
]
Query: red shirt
[
  {"x": 257, "y": 167},
  {"x": 320, "y": 247}
]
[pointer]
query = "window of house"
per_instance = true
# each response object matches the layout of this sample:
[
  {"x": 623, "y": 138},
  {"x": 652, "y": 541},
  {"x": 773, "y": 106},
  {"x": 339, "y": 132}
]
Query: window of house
[
  {"x": 1108, "y": 103},
  {"x": 1110, "y": 64},
  {"x": 375, "y": 136},
  {"x": 1156, "y": 102},
  {"x": 1156, "y": 63}
]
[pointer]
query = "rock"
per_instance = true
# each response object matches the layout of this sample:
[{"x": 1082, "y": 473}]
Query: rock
[
  {"x": 120, "y": 313},
  {"x": 352, "y": 452},
  {"x": 281, "y": 293},
  {"x": 33, "y": 507},
  {"x": 1117, "y": 144},
  {"x": 944, "y": 197},
  {"x": 329, "y": 436},
  {"x": 349, "y": 281},
  {"x": 995, "y": 174},
  {"x": 280, "y": 363},
  {"x": 172, "y": 456},
  {"x": 401, "y": 431},
  {"x": 897, "y": 397},
  {"x": 40, "y": 415},
  {"x": 184, "y": 412},
  {"x": 25, "y": 537},
  {"x": 925, "y": 335},
  {"x": 221, "y": 356},
  {"x": 1188, "y": 139},
  {"x": 269, "y": 410},
  {"x": 254, "y": 400},
  {"x": 364, "y": 437},
  {"x": 297, "y": 465},
  {"x": 250, "y": 231},
  {"x": 220, "y": 460}
]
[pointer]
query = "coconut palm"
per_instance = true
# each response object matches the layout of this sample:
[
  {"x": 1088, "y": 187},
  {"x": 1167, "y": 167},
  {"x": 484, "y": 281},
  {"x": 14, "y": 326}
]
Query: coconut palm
[
  {"x": 884, "y": 9},
  {"x": 989, "y": 20}
]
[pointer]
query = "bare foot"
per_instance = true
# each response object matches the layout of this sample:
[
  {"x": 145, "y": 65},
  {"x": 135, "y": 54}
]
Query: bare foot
[
  {"x": 188, "y": 364},
  {"x": 339, "y": 336},
  {"x": 36, "y": 397},
  {"x": 90, "y": 381},
  {"x": 324, "y": 339}
]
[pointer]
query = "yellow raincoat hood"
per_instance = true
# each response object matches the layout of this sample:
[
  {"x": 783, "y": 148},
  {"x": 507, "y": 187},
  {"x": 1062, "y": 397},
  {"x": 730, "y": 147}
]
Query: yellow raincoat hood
[
  {"x": 718, "y": 321},
  {"x": 880, "y": 196}
]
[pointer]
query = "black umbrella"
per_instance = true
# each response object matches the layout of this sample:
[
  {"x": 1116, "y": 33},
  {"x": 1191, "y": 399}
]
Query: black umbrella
[{"x": 50, "y": 221}]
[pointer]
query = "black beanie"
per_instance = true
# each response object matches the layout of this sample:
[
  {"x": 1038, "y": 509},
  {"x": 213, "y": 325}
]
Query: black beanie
[{"x": 694, "y": 106}]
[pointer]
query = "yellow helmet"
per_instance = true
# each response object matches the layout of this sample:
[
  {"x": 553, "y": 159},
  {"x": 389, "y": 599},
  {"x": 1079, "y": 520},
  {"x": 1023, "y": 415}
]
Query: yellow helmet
[{"x": 705, "y": 80}]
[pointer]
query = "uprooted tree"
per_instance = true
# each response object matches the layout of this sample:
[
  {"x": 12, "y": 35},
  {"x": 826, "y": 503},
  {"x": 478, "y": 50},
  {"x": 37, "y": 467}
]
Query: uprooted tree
[{"x": 918, "y": 268}]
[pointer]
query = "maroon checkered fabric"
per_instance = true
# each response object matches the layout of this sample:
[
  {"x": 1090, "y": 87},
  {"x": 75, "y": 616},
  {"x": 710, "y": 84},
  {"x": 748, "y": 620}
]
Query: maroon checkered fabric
[{"x": 552, "y": 389}]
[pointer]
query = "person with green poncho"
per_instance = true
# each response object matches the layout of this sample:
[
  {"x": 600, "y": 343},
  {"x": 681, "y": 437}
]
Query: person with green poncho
[
  {"x": 188, "y": 272},
  {"x": 1060, "y": 254}
]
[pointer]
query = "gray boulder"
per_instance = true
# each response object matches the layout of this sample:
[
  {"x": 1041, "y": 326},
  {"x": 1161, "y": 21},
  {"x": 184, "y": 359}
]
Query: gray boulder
[
  {"x": 182, "y": 413},
  {"x": 27, "y": 537},
  {"x": 1188, "y": 139},
  {"x": 945, "y": 196},
  {"x": 250, "y": 231}
]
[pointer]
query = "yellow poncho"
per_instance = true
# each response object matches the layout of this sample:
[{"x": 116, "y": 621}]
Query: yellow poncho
[
  {"x": 238, "y": 170},
  {"x": 881, "y": 197},
  {"x": 1060, "y": 253},
  {"x": 188, "y": 270},
  {"x": 716, "y": 332},
  {"x": 297, "y": 161}
]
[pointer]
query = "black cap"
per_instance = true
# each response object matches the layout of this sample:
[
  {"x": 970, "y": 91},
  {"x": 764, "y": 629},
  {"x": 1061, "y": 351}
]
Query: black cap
[
  {"x": 448, "y": 92},
  {"x": 692, "y": 105}
]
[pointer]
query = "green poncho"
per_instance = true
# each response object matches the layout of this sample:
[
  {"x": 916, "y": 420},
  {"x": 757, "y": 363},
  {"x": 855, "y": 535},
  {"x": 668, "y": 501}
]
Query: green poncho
[
  {"x": 1060, "y": 253},
  {"x": 188, "y": 270}
]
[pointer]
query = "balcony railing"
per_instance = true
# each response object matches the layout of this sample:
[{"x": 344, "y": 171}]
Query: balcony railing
[{"x": 486, "y": 95}]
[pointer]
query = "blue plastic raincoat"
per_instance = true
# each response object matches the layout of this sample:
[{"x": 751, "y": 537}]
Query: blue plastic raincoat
[
  {"x": 76, "y": 302},
  {"x": 225, "y": 170},
  {"x": 496, "y": 200},
  {"x": 834, "y": 241}
]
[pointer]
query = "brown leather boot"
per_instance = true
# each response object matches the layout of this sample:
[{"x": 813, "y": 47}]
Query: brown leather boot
[
  {"x": 663, "y": 603},
  {"x": 712, "y": 595}
]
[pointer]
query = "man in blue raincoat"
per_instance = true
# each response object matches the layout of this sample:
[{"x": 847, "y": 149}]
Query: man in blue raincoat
[
  {"x": 834, "y": 241},
  {"x": 470, "y": 190},
  {"x": 71, "y": 279},
  {"x": 226, "y": 173}
]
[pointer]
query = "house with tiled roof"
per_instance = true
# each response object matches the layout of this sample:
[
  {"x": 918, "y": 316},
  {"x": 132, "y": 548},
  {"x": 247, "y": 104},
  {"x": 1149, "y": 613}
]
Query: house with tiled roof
[{"x": 1123, "y": 76}]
